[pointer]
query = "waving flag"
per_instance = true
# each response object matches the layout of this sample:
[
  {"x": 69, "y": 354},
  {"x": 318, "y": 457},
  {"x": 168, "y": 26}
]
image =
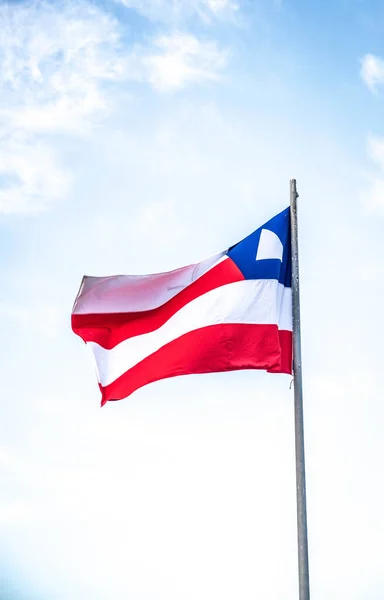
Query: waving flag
[{"x": 230, "y": 312}]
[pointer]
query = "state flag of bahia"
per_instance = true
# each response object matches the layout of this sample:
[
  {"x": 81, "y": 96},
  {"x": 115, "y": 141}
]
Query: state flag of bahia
[{"x": 232, "y": 311}]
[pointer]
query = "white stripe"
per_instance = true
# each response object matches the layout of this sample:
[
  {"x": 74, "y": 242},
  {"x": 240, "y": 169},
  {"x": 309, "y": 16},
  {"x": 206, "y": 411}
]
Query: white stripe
[
  {"x": 249, "y": 301},
  {"x": 136, "y": 293},
  {"x": 285, "y": 304}
]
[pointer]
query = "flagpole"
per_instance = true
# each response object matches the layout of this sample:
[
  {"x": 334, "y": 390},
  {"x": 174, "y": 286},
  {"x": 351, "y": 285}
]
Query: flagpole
[{"x": 302, "y": 534}]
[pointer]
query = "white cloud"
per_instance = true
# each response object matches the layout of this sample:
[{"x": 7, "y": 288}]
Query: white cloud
[
  {"x": 44, "y": 318},
  {"x": 13, "y": 512},
  {"x": 372, "y": 71},
  {"x": 55, "y": 64},
  {"x": 374, "y": 198},
  {"x": 180, "y": 59},
  {"x": 30, "y": 176},
  {"x": 58, "y": 64},
  {"x": 376, "y": 151},
  {"x": 169, "y": 10},
  {"x": 156, "y": 219},
  {"x": 374, "y": 195}
]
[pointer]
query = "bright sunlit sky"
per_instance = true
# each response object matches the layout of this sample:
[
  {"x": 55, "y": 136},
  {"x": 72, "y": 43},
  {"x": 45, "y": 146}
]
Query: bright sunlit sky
[{"x": 138, "y": 136}]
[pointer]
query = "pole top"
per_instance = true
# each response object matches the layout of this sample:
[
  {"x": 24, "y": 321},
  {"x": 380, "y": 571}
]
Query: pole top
[{"x": 292, "y": 183}]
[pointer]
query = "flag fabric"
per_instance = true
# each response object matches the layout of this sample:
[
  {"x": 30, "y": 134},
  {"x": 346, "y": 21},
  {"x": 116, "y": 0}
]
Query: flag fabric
[{"x": 230, "y": 312}]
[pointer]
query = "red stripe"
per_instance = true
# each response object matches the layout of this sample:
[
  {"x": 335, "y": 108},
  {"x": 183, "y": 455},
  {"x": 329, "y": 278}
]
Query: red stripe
[
  {"x": 108, "y": 330},
  {"x": 211, "y": 349},
  {"x": 285, "y": 339}
]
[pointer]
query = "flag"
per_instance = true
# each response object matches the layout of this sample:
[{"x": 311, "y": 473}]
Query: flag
[{"x": 232, "y": 311}]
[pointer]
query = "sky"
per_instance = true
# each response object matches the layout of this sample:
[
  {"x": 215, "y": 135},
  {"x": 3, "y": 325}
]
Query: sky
[{"x": 138, "y": 136}]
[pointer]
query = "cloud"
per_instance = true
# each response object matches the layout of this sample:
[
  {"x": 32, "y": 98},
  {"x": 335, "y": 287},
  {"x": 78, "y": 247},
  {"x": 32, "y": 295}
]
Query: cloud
[
  {"x": 59, "y": 67},
  {"x": 376, "y": 151},
  {"x": 374, "y": 198},
  {"x": 56, "y": 62},
  {"x": 44, "y": 318},
  {"x": 181, "y": 59},
  {"x": 169, "y": 10},
  {"x": 372, "y": 71},
  {"x": 374, "y": 195},
  {"x": 30, "y": 176},
  {"x": 13, "y": 512},
  {"x": 156, "y": 219}
]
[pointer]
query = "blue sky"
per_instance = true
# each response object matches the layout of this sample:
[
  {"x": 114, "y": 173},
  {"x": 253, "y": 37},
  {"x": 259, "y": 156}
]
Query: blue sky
[{"x": 138, "y": 136}]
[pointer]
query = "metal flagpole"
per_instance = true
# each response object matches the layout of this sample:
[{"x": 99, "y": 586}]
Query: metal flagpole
[{"x": 302, "y": 535}]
